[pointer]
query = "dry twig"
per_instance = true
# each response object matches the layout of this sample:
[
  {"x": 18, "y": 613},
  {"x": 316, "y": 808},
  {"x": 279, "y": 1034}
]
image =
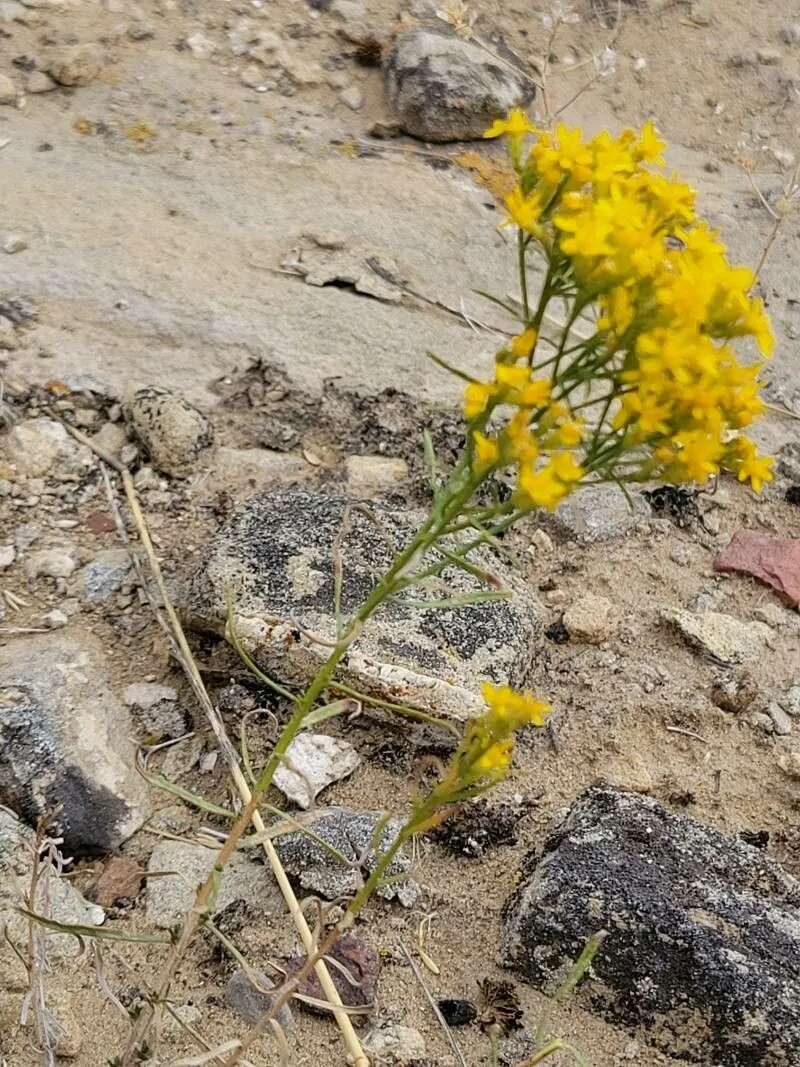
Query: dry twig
[{"x": 250, "y": 813}]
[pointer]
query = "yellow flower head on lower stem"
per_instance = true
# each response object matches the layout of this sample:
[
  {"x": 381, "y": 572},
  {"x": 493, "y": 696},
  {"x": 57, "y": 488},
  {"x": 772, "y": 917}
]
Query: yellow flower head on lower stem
[
  {"x": 511, "y": 710},
  {"x": 495, "y": 761}
]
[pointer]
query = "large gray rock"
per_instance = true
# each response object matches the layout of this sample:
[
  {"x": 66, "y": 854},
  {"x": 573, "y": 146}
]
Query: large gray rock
[
  {"x": 172, "y": 430},
  {"x": 703, "y": 941},
  {"x": 65, "y": 739},
  {"x": 445, "y": 88},
  {"x": 273, "y": 558}
]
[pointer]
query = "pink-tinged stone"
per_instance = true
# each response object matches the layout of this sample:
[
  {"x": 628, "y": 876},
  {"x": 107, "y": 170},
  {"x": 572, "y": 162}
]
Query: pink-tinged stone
[{"x": 773, "y": 560}]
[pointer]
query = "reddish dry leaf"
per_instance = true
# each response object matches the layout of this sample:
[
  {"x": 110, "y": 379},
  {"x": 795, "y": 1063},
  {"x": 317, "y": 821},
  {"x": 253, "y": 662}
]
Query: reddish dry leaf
[{"x": 773, "y": 560}]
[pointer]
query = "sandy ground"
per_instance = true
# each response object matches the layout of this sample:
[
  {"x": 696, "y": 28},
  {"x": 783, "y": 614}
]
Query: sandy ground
[{"x": 157, "y": 204}]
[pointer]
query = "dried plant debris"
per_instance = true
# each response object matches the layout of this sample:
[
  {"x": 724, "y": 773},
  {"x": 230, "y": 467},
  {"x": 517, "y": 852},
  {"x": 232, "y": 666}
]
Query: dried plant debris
[
  {"x": 676, "y": 503},
  {"x": 457, "y": 1012},
  {"x": 500, "y": 1006},
  {"x": 476, "y": 828}
]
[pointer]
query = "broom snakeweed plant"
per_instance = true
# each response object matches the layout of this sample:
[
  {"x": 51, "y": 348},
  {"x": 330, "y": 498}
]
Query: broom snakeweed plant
[{"x": 639, "y": 382}]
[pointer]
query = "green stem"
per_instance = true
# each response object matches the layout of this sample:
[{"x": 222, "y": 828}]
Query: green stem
[{"x": 522, "y": 244}]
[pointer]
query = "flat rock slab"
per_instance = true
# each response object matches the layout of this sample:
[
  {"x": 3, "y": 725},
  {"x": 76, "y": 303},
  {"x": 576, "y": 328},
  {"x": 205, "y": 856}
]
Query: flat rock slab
[
  {"x": 703, "y": 944},
  {"x": 66, "y": 739},
  {"x": 274, "y": 558},
  {"x": 773, "y": 560},
  {"x": 598, "y": 513},
  {"x": 721, "y": 637},
  {"x": 313, "y": 761}
]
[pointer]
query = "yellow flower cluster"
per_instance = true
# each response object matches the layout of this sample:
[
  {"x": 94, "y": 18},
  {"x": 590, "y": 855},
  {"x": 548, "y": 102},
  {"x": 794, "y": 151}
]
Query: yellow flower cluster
[
  {"x": 622, "y": 241},
  {"x": 484, "y": 755}
]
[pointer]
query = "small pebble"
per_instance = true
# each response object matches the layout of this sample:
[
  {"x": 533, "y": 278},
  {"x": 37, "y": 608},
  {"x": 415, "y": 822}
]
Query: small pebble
[
  {"x": 39, "y": 82},
  {"x": 768, "y": 57},
  {"x": 542, "y": 542},
  {"x": 13, "y": 244},
  {"x": 789, "y": 763},
  {"x": 252, "y": 76},
  {"x": 780, "y": 720},
  {"x": 8, "y": 92},
  {"x": 352, "y": 97}
]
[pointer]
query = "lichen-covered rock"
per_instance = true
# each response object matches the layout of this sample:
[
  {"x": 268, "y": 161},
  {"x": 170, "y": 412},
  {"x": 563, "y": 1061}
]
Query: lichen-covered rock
[
  {"x": 352, "y": 834},
  {"x": 173, "y": 431},
  {"x": 156, "y": 710},
  {"x": 65, "y": 739},
  {"x": 274, "y": 559},
  {"x": 446, "y": 88},
  {"x": 703, "y": 931}
]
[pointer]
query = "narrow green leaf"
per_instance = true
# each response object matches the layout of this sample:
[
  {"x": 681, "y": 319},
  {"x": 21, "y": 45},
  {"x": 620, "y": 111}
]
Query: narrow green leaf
[
  {"x": 455, "y": 601},
  {"x": 100, "y": 933},
  {"x": 449, "y": 367},
  {"x": 329, "y": 711},
  {"x": 197, "y": 801}
]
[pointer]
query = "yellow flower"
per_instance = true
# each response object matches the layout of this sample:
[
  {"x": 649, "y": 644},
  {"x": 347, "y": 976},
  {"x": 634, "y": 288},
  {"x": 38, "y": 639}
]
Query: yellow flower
[
  {"x": 513, "y": 709},
  {"x": 699, "y": 454},
  {"x": 649, "y": 146},
  {"x": 477, "y": 397},
  {"x": 487, "y": 452},
  {"x": 511, "y": 376},
  {"x": 541, "y": 488},
  {"x": 495, "y": 761},
  {"x": 749, "y": 465},
  {"x": 516, "y": 125},
  {"x": 524, "y": 211},
  {"x": 521, "y": 446},
  {"x": 566, "y": 468},
  {"x": 758, "y": 326},
  {"x": 570, "y": 433},
  {"x": 522, "y": 346},
  {"x": 533, "y": 395}
]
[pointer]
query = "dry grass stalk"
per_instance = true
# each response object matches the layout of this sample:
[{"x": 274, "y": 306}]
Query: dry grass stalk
[{"x": 144, "y": 1023}]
